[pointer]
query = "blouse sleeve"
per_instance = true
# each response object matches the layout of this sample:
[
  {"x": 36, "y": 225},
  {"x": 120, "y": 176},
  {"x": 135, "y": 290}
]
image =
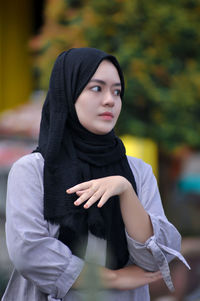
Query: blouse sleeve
[
  {"x": 39, "y": 257},
  {"x": 165, "y": 244}
]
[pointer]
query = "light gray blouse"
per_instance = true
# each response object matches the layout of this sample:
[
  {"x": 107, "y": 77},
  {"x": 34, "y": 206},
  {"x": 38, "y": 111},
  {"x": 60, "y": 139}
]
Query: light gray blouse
[{"x": 45, "y": 268}]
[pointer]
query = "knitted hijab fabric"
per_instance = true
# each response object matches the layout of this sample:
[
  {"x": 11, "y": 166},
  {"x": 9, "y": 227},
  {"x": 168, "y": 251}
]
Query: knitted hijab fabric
[{"x": 74, "y": 155}]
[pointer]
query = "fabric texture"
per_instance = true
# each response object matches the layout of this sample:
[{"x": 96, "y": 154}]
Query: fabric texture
[{"x": 74, "y": 155}]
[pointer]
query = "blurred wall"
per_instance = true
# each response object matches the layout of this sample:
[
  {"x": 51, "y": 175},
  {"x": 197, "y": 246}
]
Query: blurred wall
[{"x": 15, "y": 71}]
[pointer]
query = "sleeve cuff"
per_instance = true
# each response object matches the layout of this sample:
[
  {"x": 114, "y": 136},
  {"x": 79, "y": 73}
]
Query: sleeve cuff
[
  {"x": 153, "y": 255},
  {"x": 160, "y": 258},
  {"x": 68, "y": 277}
]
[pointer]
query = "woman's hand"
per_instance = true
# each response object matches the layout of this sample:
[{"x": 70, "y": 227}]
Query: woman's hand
[
  {"x": 99, "y": 190},
  {"x": 132, "y": 277}
]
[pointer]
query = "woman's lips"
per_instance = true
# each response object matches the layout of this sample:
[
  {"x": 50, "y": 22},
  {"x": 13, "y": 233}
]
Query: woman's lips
[{"x": 107, "y": 116}]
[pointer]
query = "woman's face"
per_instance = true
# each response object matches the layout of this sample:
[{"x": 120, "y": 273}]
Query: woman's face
[{"x": 99, "y": 105}]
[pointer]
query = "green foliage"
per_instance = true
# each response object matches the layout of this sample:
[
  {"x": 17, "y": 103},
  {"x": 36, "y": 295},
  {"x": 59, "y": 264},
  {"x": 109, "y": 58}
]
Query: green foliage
[{"x": 158, "y": 46}]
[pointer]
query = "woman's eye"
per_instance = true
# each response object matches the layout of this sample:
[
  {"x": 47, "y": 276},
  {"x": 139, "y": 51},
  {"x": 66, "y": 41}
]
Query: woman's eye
[
  {"x": 96, "y": 88},
  {"x": 117, "y": 92}
]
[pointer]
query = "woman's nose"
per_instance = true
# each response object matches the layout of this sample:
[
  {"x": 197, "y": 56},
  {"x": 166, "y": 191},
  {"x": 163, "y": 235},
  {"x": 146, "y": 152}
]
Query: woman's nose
[{"x": 108, "y": 99}]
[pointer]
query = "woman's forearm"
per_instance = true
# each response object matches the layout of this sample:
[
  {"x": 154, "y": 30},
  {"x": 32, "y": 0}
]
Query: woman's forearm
[
  {"x": 129, "y": 277},
  {"x": 94, "y": 273},
  {"x": 136, "y": 219}
]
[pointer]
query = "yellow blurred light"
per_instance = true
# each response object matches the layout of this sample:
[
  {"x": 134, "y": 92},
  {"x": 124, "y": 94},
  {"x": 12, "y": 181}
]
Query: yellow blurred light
[{"x": 143, "y": 148}]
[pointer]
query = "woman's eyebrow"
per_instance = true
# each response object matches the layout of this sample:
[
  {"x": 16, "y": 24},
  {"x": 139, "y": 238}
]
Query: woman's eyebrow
[{"x": 103, "y": 82}]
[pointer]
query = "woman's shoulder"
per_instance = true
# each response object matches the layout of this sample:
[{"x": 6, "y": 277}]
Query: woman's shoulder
[
  {"x": 143, "y": 174},
  {"x": 31, "y": 158},
  {"x": 138, "y": 164},
  {"x": 142, "y": 171},
  {"x": 27, "y": 164},
  {"x": 25, "y": 179}
]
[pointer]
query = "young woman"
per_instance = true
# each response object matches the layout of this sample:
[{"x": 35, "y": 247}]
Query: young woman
[{"x": 78, "y": 199}]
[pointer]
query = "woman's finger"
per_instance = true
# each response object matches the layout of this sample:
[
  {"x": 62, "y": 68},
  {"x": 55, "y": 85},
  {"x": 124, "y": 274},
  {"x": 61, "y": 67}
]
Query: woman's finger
[
  {"x": 79, "y": 187},
  {"x": 94, "y": 198},
  {"x": 103, "y": 199},
  {"x": 153, "y": 274},
  {"x": 80, "y": 192},
  {"x": 151, "y": 277},
  {"x": 84, "y": 197}
]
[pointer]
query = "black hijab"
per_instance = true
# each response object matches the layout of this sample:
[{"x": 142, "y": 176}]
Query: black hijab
[{"x": 73, "y": 155}]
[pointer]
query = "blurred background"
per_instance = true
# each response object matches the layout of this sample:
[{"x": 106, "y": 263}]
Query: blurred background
[{"x": 158, "y": 46}]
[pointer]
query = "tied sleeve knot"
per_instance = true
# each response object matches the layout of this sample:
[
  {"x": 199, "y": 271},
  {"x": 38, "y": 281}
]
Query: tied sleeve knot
[{"x": 157, "y": 251}]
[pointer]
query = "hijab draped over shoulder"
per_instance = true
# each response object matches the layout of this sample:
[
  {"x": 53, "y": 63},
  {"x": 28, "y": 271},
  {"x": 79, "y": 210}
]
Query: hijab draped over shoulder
[{"x": 74, "y": 155}]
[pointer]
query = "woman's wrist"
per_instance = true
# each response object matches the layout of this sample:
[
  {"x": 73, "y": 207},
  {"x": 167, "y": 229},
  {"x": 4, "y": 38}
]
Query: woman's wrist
[{"x": 127, "y": 189}]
